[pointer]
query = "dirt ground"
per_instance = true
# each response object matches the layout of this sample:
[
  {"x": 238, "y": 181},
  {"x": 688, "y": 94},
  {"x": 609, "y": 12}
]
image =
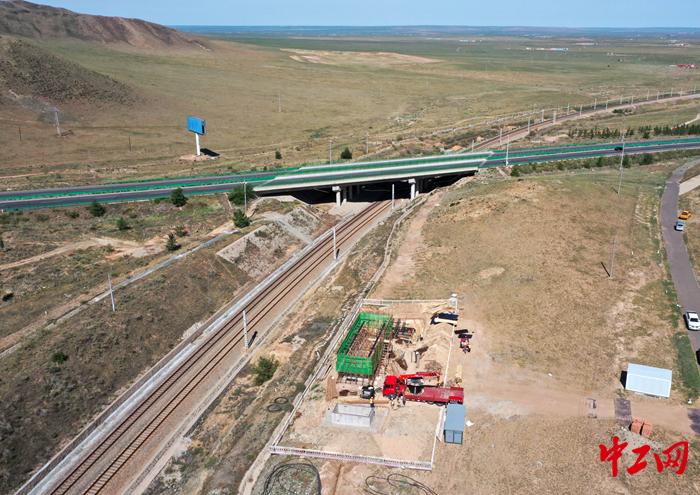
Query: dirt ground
[
  {"x": 375, "y": 59},
  {"x": 562, "y": 456}
]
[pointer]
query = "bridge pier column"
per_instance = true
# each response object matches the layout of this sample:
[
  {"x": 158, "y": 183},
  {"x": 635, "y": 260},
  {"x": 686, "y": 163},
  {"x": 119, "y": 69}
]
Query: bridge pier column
[
  {"x": 413, "y": 188},
  {"x": 338, "y": 195}
]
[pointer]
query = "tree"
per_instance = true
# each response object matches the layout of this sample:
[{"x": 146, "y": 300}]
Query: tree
[
  {"x": 346, "y": 154},
  {"x": 278, "y": 155},
  {"x": 515, "y": 172},
  {"x": 171, "y": 244},
  {"x": 240, "y": 219},
  {"x": 96, "y": 209},
  {"x": 626, "y": 162},
  {"x": 238, "y": 195},
  {"x": 122, "y": 224},
  {"x": 2, "y": 243},
  {"x": 178, "y": 198},
  {"x": 647, "y": 159},
  {"x": 180, "y": 231},
  {"x": 264, "y": 369}
]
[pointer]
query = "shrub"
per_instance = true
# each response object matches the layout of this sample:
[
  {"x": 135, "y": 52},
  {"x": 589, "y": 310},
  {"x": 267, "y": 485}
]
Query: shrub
[
  {"x": 2, "y": 243},
  {"x": 515, "y": 172},
  {"x": 42, "y": 217},
  {"x": 240, "y": 219},
  {"x": 171, "y": 244},
  {"x": 264, "y": 369},
  {"x": 72, "y": 214},
  {"x": 181, "y": 231},
  {"x": 647, "y": 159},
  {"x": 626, "y": 162},
  {"x": 59, "y": 357},
  {"x": 122, "y": 224},
  {"x": 96, "y": 209},
  {"x": 346, "y": 154},
  {"x": 239, "y": 194},
  {"x": 178, "y": 198},
  {"x": 278, "y": 155}
]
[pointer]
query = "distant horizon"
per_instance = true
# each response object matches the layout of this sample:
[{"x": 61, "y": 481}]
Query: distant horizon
[
  {"x": 628, "y": 14},
  {"x": 437, "y": 31}
]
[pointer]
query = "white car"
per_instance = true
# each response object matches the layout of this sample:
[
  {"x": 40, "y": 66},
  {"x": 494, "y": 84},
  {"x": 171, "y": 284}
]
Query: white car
[
  {"x": 680, "y": 226},
  {"x": 692, "y": 320}
]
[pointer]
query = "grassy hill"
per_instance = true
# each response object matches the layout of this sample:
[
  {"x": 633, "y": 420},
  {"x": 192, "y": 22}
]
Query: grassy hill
[{"x": 31, "y": 20}]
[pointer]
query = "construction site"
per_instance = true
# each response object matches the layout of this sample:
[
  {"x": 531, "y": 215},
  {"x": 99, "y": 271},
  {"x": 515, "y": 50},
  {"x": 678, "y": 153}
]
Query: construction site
[{"x": 386, "y": 393}]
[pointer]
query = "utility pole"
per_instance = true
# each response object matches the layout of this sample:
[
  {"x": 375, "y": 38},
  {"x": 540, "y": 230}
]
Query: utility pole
[
  {"x": 111, "y": 292},
  {"x": 500, "y": 137},
  {"x": 568, "y": 108},
  {"x": 367, "y": 144},
  {"x": 543, "y": 115},
  {"x": 619, "y": 190},
  {"x": 622, "y": 160},
  {"x": 580, "y": 111},
  {"x": 393, "y": 195},
  {"x": 56, "y": 120},
  {"x": 129, "y": 144},
  {"x": 330, "y": 151},
  {"x": 335, "y": 249},
  {"x": 595, "y": 104},
  {"x": 528, "y": 125},
  {"x": 554, "y": 117},
  {"x": 245, "y": 330},
  {"x": 606, "y": 104},
  {"x": 507, "y": 152},
  {"x": 472, "y": 146},
  {"x": 19, "y": 129},
  {"x": 245, "y": 197},
  {"x": 279, "y": 102}
]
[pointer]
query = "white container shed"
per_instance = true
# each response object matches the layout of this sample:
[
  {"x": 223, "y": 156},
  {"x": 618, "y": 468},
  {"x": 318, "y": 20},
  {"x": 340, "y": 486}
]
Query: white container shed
[{"x": 648, "y": 380}]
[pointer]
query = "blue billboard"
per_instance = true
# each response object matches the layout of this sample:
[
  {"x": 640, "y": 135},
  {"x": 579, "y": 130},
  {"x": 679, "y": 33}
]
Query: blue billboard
[{"x": 197, "y": 125}]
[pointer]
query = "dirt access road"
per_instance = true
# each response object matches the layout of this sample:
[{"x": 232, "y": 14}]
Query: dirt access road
[{"x": 681, "y": 269}]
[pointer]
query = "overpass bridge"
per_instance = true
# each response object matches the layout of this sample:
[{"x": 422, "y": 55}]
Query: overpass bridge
[
  {"x": 343, "y": 179},
  {"x": 346, "y": 179}
]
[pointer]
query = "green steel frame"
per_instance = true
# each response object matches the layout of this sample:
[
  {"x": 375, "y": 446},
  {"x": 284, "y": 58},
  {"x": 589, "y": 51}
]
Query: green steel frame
[{"x": 366, "y": 366}]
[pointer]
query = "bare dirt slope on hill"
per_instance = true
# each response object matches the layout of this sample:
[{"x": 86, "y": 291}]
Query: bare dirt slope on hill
[
  {"x": 39, "y": 21},
  {"x": 27, "y": 71}
]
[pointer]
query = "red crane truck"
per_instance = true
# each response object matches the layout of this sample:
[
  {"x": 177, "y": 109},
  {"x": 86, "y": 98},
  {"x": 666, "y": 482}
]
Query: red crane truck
[{"x": 413, "y": 388}]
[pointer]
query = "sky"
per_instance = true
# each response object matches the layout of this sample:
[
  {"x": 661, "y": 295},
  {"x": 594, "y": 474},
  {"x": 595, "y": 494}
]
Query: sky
[{"x": 555, "y": 13}]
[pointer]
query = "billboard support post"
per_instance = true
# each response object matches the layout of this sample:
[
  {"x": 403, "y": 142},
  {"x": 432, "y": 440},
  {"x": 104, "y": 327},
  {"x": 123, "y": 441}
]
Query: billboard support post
[{"x": 198, "y": 127}]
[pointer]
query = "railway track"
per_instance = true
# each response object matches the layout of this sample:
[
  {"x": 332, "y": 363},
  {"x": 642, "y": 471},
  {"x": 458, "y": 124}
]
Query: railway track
[
  {"x": 98, "y": 467},
  {"x": 584, "y": 112}
]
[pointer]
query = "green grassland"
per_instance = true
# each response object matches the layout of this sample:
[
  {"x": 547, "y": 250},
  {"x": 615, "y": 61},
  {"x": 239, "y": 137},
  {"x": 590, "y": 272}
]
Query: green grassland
[{"x": 237, "y": 86}]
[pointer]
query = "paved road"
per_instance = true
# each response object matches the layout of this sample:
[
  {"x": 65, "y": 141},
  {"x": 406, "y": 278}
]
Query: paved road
[
  {"x": 87, "y": 194},
  {"x": 681, "y": 269}
]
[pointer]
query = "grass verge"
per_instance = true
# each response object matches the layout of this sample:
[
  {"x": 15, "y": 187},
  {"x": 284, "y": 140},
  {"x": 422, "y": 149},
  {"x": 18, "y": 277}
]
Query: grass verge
[{"x": 687, "y": 365}]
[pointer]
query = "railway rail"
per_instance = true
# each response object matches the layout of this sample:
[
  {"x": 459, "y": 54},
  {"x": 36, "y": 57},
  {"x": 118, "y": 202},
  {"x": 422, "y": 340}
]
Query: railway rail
[{"x": 97, "y": 468}]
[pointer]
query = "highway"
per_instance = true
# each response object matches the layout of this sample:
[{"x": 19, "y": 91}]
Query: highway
[{"x": 136, "y": 191}]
